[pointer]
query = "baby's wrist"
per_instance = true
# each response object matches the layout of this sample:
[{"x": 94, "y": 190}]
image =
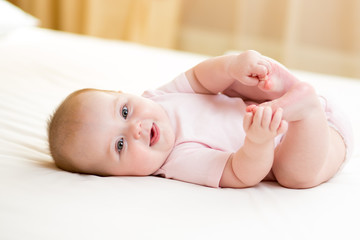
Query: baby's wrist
[
  {"x": 255, "y": 141},
  {"x": 231, "y": 66}
]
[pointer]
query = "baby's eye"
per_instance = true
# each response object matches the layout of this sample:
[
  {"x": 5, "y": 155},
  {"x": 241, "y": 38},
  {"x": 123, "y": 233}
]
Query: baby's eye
[
  {"x": 120, "y": 145},
  {"x": 124, "y": 112}
]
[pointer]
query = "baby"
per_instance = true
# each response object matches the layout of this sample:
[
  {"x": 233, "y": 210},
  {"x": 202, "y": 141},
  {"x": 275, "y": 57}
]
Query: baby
[{"x": 230, "y": 121}]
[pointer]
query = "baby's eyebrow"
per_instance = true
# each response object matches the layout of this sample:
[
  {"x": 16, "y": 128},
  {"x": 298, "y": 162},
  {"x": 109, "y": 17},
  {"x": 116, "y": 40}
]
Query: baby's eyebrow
[{"x": 115, "y": 107}]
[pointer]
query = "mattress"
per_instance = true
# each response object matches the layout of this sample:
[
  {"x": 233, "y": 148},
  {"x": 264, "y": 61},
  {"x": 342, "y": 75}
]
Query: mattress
[{"x": 39, "y": 67}]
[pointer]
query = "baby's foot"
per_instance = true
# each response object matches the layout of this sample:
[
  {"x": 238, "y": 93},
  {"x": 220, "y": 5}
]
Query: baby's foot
[
  {"x": 297, "y": 103},
  {"x": 278, "y": 78}
]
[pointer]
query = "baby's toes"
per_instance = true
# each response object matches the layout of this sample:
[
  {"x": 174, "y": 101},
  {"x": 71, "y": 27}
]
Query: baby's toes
[
  {"x": 251, "y": 108},
  {"x": 262, "y": 85}
]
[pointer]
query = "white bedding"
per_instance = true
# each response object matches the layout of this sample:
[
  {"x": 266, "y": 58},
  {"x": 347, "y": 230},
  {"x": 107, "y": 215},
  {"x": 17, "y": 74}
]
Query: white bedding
[{"x": 38, "y": 68}]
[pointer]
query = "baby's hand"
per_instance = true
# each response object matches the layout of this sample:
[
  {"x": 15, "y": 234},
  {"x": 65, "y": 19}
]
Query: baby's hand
[
  {"x": 250, "y": 68},
  {"x": 262, "y": 125}
]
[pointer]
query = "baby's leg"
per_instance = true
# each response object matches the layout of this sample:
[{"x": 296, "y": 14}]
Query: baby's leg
[{"x": 311, "y": 152}]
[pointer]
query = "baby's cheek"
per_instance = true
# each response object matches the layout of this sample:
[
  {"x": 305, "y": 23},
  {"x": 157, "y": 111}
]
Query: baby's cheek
[{"x": 143, "y": 161}]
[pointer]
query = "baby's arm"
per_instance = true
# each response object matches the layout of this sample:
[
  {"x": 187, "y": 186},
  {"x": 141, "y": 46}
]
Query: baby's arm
[
  {"x": 253, "y": 161},
  {"x": 248, "y": 75}
]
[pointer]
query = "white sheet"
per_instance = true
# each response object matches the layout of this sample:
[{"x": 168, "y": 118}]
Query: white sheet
[{"x": 39, "y": 67}]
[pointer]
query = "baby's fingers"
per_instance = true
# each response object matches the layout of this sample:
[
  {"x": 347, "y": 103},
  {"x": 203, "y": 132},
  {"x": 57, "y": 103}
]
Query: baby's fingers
[
  {"x": 247, "y": 121},
  {"x": 276, "y": 119},
  {"x": 258, "y": 115},
  {"x": 266, "y": 118},
  {"x": 283, "y": 127},
  {"x": 249, "y": 80},
  {"x": 259, "y": 71},
  {"x": 265, "y": 74}
]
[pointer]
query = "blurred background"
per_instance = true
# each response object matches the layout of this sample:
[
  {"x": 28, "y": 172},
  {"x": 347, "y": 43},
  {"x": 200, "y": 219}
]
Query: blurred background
[{"x": 320, "y": 36}]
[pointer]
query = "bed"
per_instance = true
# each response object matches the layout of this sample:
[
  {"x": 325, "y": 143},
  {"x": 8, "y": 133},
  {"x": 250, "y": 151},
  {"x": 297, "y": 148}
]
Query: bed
[{"x": 39, "y": 67}]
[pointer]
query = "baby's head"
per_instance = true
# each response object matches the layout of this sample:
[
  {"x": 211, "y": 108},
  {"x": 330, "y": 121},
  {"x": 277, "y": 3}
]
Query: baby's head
[{"x": 109, "y": 133}]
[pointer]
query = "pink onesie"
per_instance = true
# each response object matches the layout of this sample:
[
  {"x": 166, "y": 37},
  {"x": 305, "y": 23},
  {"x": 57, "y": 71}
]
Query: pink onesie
[{"x": 208, "y": 128}]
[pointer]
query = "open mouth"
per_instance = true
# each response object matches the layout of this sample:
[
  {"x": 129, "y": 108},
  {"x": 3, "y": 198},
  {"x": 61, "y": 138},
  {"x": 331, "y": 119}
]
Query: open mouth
[{"x": 154, "y": 134}]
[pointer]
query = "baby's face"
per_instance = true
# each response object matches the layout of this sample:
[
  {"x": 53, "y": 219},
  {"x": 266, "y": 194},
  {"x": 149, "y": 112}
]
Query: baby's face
[{"x": 121, "y": 134}]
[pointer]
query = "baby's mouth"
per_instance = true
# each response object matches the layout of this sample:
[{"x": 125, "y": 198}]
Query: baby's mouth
[{"x": 154, "y": 134}]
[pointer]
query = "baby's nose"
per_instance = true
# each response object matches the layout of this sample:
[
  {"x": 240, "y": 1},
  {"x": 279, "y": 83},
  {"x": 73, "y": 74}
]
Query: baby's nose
[{"x": 136, "y": 129}]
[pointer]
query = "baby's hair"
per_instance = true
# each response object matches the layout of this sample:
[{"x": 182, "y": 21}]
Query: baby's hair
[{"x": 62, "y": 126}]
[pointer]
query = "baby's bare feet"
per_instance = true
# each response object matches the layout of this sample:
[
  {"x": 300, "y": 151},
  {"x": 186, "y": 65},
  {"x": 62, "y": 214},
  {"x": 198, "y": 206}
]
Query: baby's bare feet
[
  {"x": 297, "y": 103},
  {"x": 253, "y": 69},
  {"x": 278, "y": 78}
]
